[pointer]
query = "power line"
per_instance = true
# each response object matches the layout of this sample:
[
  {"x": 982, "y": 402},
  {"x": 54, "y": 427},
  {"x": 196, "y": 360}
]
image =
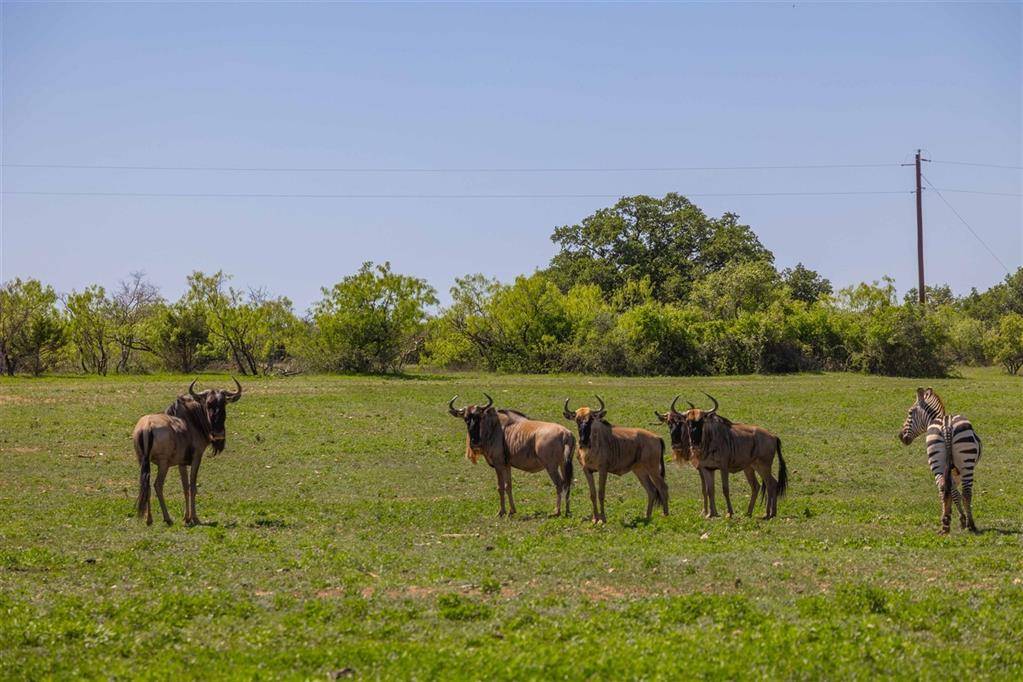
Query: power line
[
  {"x": 567, "y": 169},
  {"x": 204, "y": 195},
  {"x": 963, "y": 221},
  {"x": 978, "y": 165},
  {"x": 980, "y": 191}
]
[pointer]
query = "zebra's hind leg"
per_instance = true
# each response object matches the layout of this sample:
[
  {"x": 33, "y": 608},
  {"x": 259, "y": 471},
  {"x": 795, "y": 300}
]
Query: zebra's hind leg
[
  {"x": 968, "y": 503},
  {"x": 958, "y": 500},
  {"x": 946, "y": 504}
]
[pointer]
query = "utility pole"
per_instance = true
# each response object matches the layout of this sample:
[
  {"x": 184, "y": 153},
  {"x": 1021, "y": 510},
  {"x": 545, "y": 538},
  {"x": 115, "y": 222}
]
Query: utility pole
[{"x": 920, "y": 231}]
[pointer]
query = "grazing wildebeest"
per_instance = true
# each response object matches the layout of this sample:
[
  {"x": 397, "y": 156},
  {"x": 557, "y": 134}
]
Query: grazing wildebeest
[
  {"x": 946, "y": 434},
  {"x": 727, "y": 446},
  {"x": 509, "y": 439},
  {"x": 682, "y": 450},
  {"x": 604, "y": 449},
  {"x": 179, "y": 437}
]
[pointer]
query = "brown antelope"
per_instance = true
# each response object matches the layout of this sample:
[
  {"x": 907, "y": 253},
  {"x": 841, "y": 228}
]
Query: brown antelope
[
  {"x": 604, "y": 449},
  {"x": 508, "y": 439},
  {"x": 179, "y": 437},
  {"x": 682, "y": 451},
  {"x": 725, "y": 446}
]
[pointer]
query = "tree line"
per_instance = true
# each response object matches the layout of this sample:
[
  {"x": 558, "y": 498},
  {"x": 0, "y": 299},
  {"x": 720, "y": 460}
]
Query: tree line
[{"x": 647, "y": 286}]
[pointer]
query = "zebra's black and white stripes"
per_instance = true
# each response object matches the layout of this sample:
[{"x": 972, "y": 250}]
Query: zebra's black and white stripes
[{"x": 952, "y": 447}]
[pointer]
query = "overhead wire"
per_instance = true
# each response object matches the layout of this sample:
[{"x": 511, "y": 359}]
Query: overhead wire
[{"x": 964, "y": 222}]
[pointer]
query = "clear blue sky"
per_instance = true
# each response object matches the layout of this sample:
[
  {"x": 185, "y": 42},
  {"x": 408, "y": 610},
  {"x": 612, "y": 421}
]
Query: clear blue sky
[{"x": 474, "y": 85}]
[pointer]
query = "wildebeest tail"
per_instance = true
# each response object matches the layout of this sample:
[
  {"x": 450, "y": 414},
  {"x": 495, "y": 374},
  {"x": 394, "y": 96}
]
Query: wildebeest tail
[
  {"x": 662, "y": 457},
  {"x": 569, "y": 451},
  {"x": 783, "y": 472},
  {"x": 143, "y": 446}
]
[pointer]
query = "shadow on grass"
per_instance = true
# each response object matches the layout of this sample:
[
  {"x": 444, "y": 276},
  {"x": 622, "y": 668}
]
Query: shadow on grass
[
  {"x": 636, "y": 522},
  {"x": 1000, "y": 531}
]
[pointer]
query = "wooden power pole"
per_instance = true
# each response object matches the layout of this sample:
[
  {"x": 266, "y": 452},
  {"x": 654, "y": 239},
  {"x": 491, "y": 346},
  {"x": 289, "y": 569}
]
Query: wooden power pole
[{"x": 920, "y": 232}]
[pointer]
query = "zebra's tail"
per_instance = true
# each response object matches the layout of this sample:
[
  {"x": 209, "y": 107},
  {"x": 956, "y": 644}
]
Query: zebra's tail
[{"x": 783, "y": 472}]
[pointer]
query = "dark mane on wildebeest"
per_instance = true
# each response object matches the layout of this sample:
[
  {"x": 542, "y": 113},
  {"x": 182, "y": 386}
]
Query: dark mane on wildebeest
[
  {"x": 513, "y": 413},
  {"x": 186, "y": 408}
]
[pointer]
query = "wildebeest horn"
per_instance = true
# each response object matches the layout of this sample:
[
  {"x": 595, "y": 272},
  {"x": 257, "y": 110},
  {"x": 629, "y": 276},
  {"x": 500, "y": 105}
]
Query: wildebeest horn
[
  {"x": 490, "y": 401},
  {"x": 715, "y": 403},
  {"x": 691, "y": 406},
  {"x": 451, "y": 408},
  {"x": 674, "y": 401},
  {"x": 569, "y": 414},
  {"x": 602, "y": 407},
  {"x": 191, "y": 389},
  {"x": 660, "y": 417},
  {"x": 233, "y": 397}
]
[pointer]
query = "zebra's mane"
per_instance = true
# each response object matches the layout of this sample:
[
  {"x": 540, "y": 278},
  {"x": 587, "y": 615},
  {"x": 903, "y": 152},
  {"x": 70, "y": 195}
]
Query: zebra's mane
[{"x": 933, "y": 404}]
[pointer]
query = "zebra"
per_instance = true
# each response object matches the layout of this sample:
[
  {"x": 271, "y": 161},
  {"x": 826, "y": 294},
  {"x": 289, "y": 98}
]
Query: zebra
[{"x": 946, "y": 434}]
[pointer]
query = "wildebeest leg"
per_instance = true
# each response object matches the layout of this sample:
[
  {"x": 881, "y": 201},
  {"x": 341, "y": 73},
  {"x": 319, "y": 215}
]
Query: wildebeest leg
[
  {"x": 710, "y": 493},
  {"x": 772, "y": 496},
  {"x": 500, "y": 488},
  {"x": 651, "y": 494},
  {"x": 161, "y": 476},
  {"x": 703, "y": 491},
  {"x": 552, "y": 471},
  {"x": 593, "y": 493},
  {"x": 725, "y": 492},
  {"x": 183, "y": 471},
  {"x": 507, "y": 485},
  {"x": 193, "y": 477},
  {"x": 754, "y": 490},
  {"x": 603, "y": 487}
]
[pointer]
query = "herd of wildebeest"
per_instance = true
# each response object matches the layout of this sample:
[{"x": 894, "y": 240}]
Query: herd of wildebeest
[{"x": 507, "y": 439}]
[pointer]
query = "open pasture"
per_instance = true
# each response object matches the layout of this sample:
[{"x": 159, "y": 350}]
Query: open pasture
[{"x": 345, "y": 533}]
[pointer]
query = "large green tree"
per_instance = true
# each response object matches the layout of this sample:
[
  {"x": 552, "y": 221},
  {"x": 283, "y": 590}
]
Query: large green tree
[
  {"x": 371, "y": 321},
  {"x": 669, "y": 242},
  {"x": 31, "y": 327},
  {"x": 250, "y": 328}
]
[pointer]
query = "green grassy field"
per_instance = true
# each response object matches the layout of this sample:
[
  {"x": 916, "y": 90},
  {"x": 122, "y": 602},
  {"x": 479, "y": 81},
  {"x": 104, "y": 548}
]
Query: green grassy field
[{"x": 345, "y": 530}]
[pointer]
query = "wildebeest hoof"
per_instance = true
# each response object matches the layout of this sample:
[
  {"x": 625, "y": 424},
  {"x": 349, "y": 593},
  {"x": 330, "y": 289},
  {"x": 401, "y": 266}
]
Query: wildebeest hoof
[
  {"x": 149, "y": 521},
  {"x": 972, "y": 527},
  {"x": 501, "y": 514},
  {"x": 943, "y": 531},
  {"x": 728, "y": 515},
  {"x": 168, "y": 522}
]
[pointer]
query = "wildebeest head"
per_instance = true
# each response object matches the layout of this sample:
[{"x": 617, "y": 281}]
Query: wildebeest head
[
  {"x": 214, "y": 402},
  {"x": 927, "y": 408},
  {"x": 473, "y": 415},
  {"x": 584, "y": 418},
  {"x": 696, "y": 421},
  {"x": 677, "y": 428}
]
